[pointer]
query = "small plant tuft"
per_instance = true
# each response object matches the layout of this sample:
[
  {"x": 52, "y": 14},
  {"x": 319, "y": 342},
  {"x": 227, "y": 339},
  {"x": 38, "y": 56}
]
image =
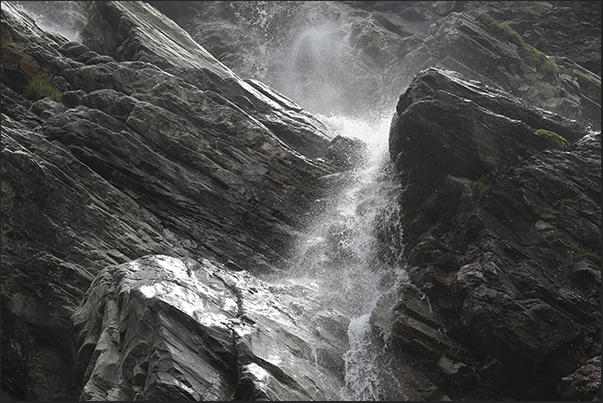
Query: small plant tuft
[
  {"x": 502, "y": 31},
  {"x": 527, "y": 52},
  {"x": 558, "y": 141},
  {"x": 478, "y": 189},
  {"x": 585, "y": 254},
  {"x": 481, "y": 186},
  {"x": 40, "y": 87}
]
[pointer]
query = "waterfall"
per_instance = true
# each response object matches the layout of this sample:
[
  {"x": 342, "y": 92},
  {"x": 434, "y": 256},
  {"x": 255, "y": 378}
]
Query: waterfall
[
  {"x": 312, "y": 53},
  {"x": 65, "y": 17},
  {"x": 348, "y": 254},
  {"x": 343, "y": 254}
]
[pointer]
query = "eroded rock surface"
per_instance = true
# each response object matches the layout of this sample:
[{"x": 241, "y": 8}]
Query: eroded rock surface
[
  {"x": 162, "y": 184},
  {"x": 150, "y": 37}
]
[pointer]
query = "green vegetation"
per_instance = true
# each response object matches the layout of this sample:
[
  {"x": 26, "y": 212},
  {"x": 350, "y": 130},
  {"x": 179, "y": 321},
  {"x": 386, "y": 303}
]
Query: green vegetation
[
  {"x": 585, "y": 254},
  {"x": 40, "y": 87},
  {"x": 501, "y": 31},
  {"x": 563, "y": 204},
  {"x": 482, "y": 185},
  {"x": 563, "y": 70},
  {"x": 478, "y": 189},
  {"x": 527, "y": 52},
  {"x": 558, "y": 141}
]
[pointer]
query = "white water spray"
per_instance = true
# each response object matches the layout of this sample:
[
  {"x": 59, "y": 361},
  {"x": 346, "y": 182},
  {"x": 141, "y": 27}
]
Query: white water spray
[
  {"x": 65, "y": 17},
  {"x": 342, "y": 256}
]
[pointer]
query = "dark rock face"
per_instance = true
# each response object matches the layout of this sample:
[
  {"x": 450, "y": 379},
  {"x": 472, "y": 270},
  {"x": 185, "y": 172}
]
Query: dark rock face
[
  {"x": 477, "y": 130},
  {"x": 503, "y": 237},
  {"x": 136, "y": 160},
  {"x": 170, "y": 48},
  {"x": 477, "y": 45}
]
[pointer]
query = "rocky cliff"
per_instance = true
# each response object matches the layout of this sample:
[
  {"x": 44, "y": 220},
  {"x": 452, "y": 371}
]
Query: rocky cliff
[
  {"x": 157, "y": 175},
  {"x": 143, "y": 154},
  {"x": 501, "y": 210},
  {"x": 548, "y": 53}
]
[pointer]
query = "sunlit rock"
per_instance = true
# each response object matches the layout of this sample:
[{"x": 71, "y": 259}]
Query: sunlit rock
[{"x": 160, "y": 328}]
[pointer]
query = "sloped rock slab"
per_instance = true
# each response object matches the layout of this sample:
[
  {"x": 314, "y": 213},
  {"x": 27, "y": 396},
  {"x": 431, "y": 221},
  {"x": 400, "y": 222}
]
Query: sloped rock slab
[
  {"x": 161, "y": 328},
  {"x": 157, "y": 40},
  {"x": 80, "y": 184}
]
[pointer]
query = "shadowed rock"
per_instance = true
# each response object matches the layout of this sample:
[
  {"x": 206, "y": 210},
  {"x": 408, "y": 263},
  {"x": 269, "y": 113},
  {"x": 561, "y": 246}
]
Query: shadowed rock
[{"x": 499, "y": 223}]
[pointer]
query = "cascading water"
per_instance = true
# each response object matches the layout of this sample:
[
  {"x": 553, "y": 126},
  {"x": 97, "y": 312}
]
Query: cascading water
[
  {"x": 311, "y": 52},
  {"x": 343, "y": 256},
  {"x": 51, "y": 16}
]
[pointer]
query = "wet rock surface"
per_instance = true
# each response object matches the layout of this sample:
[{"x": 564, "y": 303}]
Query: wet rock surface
[
  {"x": 134, "y": 161},
  {"x": 497, "y": 236},
  {"x": 161, "y": 328},
  {"x": 547, "y": 52},
  {"x": 165, "y": 186},
  {"x": 165, "y": 45}
]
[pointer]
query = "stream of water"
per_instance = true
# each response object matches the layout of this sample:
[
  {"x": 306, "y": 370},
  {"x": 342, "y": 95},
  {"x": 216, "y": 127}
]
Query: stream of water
[{"x": 343, "y": 255}]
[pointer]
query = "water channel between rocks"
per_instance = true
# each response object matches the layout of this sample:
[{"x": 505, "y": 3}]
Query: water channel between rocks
[
  {"x": 350, "y": 257},
  {"x": 344, "y": 259}
]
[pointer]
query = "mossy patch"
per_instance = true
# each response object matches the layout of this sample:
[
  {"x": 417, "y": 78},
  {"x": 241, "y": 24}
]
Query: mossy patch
[
  {"x": 40, "y": 87},
  {"x": 501, "y": 31},
  {"x": 478, "y": 189},
  {"x": 481, "y": 186},
  {"x": 576, "y": 256},
  {"x": 527, "y": 52},
  {"x": 556, "y": 140}
]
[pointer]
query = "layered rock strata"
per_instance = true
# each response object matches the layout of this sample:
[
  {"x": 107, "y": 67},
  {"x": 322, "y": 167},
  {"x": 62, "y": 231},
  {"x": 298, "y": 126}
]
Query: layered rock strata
[
  {"x": 135, "y": 158},
  {"x": 140, "y": 207},
  {"x": 160, "y": 328},
  {"x": 501, "y": 210}
]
